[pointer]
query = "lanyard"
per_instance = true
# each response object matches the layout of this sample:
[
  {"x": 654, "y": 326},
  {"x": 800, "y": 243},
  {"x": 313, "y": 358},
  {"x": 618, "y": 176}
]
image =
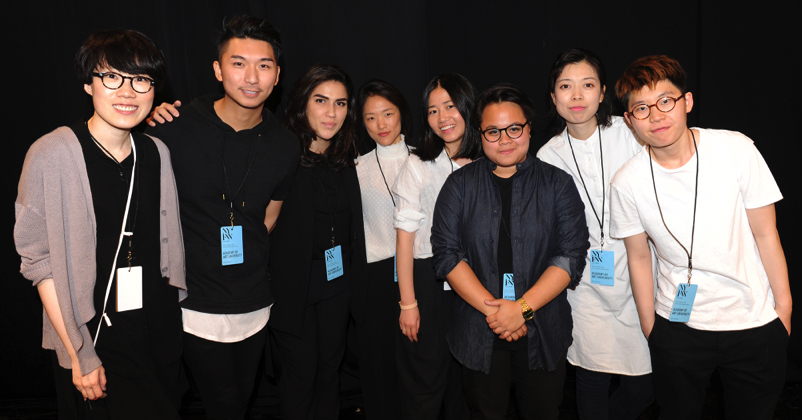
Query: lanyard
[
  {"x": 590, "y": 200},
  {"x": 449, "y": 160},
  {"x": 247, "y": 172},
  {"x": 695, "y": 196},
  {"x": 382, "y": 172},
  {"x": 333, "y": 208},
  {"x": 123, "y": 233}
]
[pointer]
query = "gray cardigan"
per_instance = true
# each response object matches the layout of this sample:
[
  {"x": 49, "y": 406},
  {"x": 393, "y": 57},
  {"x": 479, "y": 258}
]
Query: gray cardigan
[{"x": 55, "y": 234}]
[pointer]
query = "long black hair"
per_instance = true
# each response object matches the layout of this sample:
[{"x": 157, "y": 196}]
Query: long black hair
[
  {"x": 463, "y": 95},
  {"x": 340, "y": 152},
  {"x": 387, "y": 91},
  {"x": 576, "y": 56}
]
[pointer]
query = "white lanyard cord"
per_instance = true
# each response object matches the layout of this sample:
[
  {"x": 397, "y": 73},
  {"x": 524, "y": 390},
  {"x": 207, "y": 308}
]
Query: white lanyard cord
[{"x": 123, "y": 234}]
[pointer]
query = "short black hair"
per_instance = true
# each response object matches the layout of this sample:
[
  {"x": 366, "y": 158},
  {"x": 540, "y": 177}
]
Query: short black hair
[
  {"x": 387, "y": 91},
  {"x": 502, "y": 92},
  {"x": 463, "y": 95},
  {"x": 123, "y": 50},
  {"x": 245, "y": 26},
  {"x": 341, "y": 151},
  {"x": 576, "y": 56}
]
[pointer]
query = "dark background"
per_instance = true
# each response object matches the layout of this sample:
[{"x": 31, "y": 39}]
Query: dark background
[{"x": 742, "y": 63}]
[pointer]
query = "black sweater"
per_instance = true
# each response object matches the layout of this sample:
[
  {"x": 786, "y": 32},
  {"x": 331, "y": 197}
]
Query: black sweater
[
  {"x": 292, "y": 239},
  {"x": 201, "y": 144}
]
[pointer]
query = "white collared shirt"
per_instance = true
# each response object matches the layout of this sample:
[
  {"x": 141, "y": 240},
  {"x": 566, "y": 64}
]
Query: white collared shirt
[
  {"x": 416, "y": 190},
  {"x": 377, "y": 205}
]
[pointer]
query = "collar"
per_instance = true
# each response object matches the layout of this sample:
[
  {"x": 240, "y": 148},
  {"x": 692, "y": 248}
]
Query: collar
[
  {"x": 526, "y": 164},
  {"x": 89, "y": 148},
  {"x": 397, "y": 150}
]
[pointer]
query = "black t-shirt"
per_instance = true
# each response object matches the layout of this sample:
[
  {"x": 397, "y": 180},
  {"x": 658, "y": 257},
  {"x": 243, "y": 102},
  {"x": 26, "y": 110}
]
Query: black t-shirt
[
  {"x": 109, "y": 184},
  {"x": 205, "y": 153},
  {"x": 505, "y": 251}
]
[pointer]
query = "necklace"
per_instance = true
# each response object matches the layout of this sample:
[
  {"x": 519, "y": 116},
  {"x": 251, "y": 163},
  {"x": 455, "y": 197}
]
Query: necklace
[
  {"x": 695, "y": 196},
  {"x": 382, "y": 171},
  {"x": 601, "y": 159}
]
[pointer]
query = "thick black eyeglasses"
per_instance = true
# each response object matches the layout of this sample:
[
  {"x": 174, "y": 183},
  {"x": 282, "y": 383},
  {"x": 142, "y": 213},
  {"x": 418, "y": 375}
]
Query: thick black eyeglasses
[
  {"x": 664, "y": 104},
  {"x": 113, "y": 81},
  {"x": 513, "y": 131}
]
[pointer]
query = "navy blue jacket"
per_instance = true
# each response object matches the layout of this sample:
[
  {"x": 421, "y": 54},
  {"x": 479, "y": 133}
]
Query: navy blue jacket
[{"x": 548, "y": 228}]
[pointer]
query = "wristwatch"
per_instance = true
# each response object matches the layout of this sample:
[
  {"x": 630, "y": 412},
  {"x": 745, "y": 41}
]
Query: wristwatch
[{"x": 526, "y": 310}]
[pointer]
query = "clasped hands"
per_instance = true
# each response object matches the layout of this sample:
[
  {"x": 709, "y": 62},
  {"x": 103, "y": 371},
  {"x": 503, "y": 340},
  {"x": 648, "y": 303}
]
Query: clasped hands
[{"x": 508, "y": 321}]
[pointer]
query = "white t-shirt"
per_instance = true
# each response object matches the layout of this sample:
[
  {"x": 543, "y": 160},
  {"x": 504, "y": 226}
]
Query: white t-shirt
[
  {"x": 377, "y": 204},
  {"x": 733, "y": 288},
  {"x": 416, "y": 190},
  {"x": 607, "y": 334}
]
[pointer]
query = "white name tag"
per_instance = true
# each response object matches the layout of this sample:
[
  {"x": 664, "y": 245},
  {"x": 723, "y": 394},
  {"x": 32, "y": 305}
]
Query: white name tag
[{"x": 129, "y": 289}]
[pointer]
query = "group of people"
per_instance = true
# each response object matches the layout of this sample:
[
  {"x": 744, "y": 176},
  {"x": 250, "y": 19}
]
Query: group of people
[{"x": 470, "y": 267}]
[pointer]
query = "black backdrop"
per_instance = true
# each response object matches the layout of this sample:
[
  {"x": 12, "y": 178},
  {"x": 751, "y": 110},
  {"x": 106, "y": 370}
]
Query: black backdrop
[{"x": 739, "y": 57}]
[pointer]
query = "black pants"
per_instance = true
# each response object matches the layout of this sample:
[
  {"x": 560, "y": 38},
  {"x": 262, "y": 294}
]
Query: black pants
[
  {"x": 594, "y": 402},
  {"x": 224, "y": 373},
  {"x": 428, "y": 375},
  {"x": 141, "y": 356},
  {"x": 310, "y": 363},
  {"x": 538, "y": 392},
  {"x": 751, "y": 364},
  {"x": 376, "y": 334}
]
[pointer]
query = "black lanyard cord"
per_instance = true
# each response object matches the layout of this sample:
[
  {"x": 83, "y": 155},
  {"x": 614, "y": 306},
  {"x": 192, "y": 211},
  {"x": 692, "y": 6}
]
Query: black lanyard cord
[
  {"x": 449, "y": 160},
  {"x": 382, "y": 172},
  {"x": 590, "y": 200},
  {"x": 247, "y": 172},
  {"x": 695, "y": 196}
]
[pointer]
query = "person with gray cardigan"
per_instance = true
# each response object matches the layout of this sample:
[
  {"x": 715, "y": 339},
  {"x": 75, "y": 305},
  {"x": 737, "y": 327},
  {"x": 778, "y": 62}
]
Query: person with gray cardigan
[{"x": 98, "y": 231}]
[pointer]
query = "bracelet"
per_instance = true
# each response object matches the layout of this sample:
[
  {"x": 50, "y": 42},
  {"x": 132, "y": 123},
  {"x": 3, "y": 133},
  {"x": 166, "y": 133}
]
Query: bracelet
[{"x": 410, "y": 306}]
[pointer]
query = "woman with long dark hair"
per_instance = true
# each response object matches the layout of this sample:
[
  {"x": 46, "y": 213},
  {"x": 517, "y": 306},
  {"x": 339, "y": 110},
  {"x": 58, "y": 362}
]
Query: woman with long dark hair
[
  {"x": 591, "y": 144},
  {"x": 318, "y": 246},
  {"x": 98, "y": 230},
  {"x": 385, "y": 123},
  {"x": 428, "y": 375}
]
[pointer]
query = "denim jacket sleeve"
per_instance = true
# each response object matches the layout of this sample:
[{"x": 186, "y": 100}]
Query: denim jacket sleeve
[
  {"x": 446, "y": 243},
  {"x": 572, "y": 231}
]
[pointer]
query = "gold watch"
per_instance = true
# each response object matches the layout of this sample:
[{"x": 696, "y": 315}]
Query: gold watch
[{"x": 526, "y": 310}]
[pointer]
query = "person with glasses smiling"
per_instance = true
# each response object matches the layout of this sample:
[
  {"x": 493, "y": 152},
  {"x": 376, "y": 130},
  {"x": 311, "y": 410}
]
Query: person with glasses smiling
[
  {"x": 705, "y": 198},
  {"x": 97, "y": 227},
  {"x": 509, "y": 233}
]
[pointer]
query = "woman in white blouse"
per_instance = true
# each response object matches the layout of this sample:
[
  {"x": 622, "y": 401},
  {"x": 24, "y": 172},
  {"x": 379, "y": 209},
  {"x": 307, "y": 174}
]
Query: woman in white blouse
[
  {"x": 427, "y": 373},
  {"x": 386, "y": 121},
  {"x": 591, "y": 145}
]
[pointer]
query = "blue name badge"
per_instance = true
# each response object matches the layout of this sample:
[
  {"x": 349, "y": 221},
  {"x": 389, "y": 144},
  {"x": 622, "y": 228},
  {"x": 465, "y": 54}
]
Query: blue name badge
[
  {"x": 509, "y": 287},
  {"x": 334, "y": 263},
  {"x": 602, "y": 267},
  {"x": 231, "y": 245},
  {"x": 395, "y": 268},
  {"x": 683, "y": 303}
]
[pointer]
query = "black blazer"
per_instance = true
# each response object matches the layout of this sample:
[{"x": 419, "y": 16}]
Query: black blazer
[{"x": 291, "y": 249}]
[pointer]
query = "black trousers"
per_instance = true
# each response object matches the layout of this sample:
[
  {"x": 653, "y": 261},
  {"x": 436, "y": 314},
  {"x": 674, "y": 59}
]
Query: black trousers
[
  {"x": 594, "y": 402},
  {"x": 428, "y": 375},
  {"x": 141, "y": 356},
  {"x": 751, "y": 364},
  {"x": 376, "y": 335},
  {"x": 538, "y": 392},
  {"x": 310, "y": 363},
  {"x": 224, "y": 373}
]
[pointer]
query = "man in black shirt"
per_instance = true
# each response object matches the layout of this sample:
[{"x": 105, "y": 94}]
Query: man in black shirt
[{"x": 233, "y": 164}]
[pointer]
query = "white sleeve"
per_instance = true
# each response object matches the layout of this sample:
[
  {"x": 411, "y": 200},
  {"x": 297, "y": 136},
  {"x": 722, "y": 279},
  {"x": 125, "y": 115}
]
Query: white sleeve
[
  {"x": 624, "y": 218},
  {"x": 756, "y": 182},
  {"x": 407, "y": 191}
]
